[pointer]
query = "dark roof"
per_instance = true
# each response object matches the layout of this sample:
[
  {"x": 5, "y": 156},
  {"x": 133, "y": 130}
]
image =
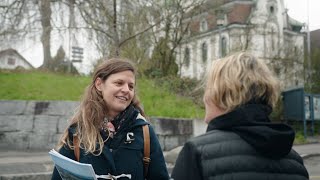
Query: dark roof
[
  {"x": 11, "y": 51},
  {"x": 295, "y": 25},
  {"x": 210, "y": 5},
  {"x": 236, "y": 13},
  {"x": 239, "y": 13}
]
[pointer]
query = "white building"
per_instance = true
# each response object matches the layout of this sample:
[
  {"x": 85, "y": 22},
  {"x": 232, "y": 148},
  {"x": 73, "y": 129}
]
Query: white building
[
  {"x": 261, "y": 27},
  {"x": 11, "y": 59}
]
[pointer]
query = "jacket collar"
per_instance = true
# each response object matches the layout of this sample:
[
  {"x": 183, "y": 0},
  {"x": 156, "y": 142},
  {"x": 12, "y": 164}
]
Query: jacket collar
[{"x": 251, "y": 123}]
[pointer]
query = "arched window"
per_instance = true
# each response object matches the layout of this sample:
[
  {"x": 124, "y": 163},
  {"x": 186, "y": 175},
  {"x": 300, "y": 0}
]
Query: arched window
[
  {"x": 204, "y": 50},
  {"x": 203, "y": 25},
  {"x": 271, "y": 9},
  {"x": 186, "y": 57},
  {"x": 223, "y": 47}
]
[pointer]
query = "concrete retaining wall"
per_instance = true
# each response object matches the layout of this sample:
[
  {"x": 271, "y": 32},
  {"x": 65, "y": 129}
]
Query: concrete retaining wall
[{"x": 37, "y": 125}]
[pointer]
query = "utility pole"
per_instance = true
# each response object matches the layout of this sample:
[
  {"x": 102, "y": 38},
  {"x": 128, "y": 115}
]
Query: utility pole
[{"x": 71, "y": 33}]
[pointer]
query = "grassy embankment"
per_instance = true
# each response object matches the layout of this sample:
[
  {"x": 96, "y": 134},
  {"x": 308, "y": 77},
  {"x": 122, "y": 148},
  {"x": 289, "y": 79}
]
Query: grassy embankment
[
  {"x": 157, "y": 101},
  {"x": 34, "y": 85}
]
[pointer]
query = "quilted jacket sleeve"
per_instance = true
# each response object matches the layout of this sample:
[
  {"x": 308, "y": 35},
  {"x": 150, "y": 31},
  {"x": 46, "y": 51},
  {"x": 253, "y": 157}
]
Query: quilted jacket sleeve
[{"x": 187, "y": 165}]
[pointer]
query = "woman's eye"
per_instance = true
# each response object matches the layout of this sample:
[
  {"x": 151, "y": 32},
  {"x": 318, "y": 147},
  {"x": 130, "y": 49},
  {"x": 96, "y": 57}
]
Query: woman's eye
[
  {"x": 131, "y": 87},
  {"x": 118, "y": 83}
]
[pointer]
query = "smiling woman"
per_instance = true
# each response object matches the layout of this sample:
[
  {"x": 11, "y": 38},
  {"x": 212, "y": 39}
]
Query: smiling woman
[{"x": 109, "y": 113}]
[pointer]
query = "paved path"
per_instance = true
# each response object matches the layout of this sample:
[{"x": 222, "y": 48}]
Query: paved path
[
  {"x": 23, "y": 157},
  {"x": 313, "y": 166},
  {"x": 25, "y": 165},
  {"x": 308, "y": 149}
]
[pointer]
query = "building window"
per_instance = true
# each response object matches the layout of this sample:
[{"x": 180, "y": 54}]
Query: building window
[
  {"x": 223, "y": 47},
  {"x": 271, "y": 8},
  {"x": 186, "y": 58},
  {"x": 295, "y": 50},
  {"x": 203, "y": 25},
  {"x": 204, "y": 50},
  {"x": 11, "y": 61}
]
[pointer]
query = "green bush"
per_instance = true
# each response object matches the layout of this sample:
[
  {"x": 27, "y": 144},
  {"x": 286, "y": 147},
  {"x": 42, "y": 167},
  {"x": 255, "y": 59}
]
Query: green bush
[
  {"x": 299, "y": 139},
  {"x": 186, "y": 87}
]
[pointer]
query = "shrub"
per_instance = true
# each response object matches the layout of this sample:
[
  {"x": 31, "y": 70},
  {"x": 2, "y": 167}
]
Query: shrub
[{"x": 186, "y": 87}]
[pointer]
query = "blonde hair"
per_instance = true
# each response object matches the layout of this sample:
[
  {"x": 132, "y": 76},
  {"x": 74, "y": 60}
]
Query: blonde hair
[
  {"x": 93, "y": 109},
  {"x": 239, "y": 78}
]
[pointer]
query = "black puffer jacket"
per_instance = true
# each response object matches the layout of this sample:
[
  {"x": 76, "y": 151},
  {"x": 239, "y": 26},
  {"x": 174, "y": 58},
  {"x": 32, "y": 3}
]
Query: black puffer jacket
[{"x": 241, "y": 145}]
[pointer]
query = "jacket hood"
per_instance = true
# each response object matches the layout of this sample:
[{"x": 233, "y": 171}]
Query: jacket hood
[{"x": 252, "y": 124}]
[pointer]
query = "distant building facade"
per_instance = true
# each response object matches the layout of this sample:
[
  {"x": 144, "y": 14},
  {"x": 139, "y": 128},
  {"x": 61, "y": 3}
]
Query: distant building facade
[
  {"x": 261, "y": 27},
  {"x": 11, "y": 59}
]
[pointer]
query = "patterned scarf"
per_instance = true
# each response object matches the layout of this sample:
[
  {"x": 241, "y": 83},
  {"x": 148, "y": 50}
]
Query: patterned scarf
[{"x": 121, "y": 123}]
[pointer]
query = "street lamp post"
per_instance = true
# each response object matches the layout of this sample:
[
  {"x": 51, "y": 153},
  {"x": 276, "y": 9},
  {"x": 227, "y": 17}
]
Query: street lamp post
[{"x": 309, "y": 74}]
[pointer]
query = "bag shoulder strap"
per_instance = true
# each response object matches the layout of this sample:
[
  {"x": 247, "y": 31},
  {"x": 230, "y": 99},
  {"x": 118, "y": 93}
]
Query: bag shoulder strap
[
  {"x": 76, "y": 145},
  {"x": 146, "y": 149}
]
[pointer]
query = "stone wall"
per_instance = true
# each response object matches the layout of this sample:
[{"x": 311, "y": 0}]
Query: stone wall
[
  {"x": 33, "y": 124},
  {"x": 37, "y": 125},
  {"x": 172, "y": 132}
]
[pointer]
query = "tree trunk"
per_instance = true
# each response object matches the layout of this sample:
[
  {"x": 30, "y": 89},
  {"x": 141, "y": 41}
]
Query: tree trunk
[{"x": 45, "y": 12}]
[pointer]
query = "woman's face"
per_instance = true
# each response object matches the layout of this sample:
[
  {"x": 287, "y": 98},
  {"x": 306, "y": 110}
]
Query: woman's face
[{"x": 117, "y": 91}]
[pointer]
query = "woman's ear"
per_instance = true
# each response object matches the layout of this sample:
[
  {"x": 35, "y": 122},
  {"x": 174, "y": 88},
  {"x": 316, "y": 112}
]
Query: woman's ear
[{"x": 98, "y": 83}]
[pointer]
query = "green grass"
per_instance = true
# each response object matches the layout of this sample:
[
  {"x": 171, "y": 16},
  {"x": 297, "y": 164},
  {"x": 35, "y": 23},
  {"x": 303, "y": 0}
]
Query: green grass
[
  {"x": 40, "y": 86},
  {"x": 35, "y": 85}
]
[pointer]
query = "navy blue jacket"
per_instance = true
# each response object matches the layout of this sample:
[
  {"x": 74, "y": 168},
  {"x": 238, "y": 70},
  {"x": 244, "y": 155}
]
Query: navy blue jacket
[{"x": 119, "y": 157}]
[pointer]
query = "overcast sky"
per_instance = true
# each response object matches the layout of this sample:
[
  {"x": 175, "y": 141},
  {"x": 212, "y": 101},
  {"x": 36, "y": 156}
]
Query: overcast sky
[{"x": 298, "y": 9}]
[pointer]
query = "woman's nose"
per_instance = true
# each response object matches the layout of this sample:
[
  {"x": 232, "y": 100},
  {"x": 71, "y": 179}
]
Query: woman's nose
[{"x": 125, "y": 88}]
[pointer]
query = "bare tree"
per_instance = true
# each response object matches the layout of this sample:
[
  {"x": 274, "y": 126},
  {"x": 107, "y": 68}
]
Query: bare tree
[
  {"x": 109, "y": 20},
  {"x": 12, "y": 18},
  {"x": 22, "y": 19},
  {"x": 172, "y": 31},
  {"x": 116, "y": 24}
]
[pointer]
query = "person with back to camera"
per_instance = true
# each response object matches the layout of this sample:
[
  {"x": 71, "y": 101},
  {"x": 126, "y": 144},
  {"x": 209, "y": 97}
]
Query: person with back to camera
[
  {"x": 108, "y": 127},
  {"x": 241, "y": 143}
]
